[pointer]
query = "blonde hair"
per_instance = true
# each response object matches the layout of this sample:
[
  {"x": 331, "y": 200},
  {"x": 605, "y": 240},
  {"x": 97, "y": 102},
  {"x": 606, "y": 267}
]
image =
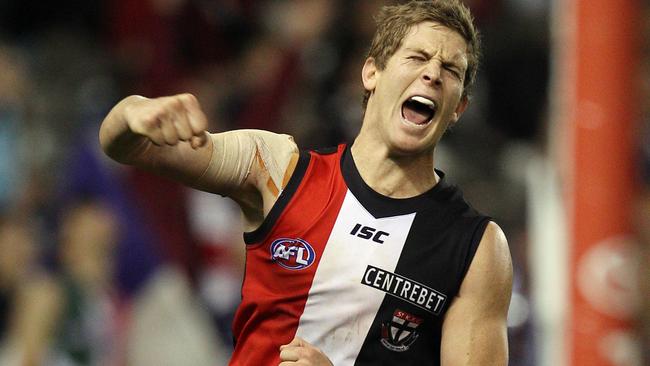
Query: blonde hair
[{"x": 394, "y": 22}]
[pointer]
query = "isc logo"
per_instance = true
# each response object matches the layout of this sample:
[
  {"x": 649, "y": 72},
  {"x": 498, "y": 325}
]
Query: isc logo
[
  {"x": 367, "y": 232},
  {"x": 292, "y": 254}
]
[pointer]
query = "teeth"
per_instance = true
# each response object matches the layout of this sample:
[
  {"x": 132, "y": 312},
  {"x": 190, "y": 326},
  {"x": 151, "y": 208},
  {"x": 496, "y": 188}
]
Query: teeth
[{"x": 423, "y": 100}]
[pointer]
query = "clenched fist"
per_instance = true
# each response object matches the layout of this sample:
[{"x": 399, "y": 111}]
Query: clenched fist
[
  {"x": 167, "y": 120},
  {"x": 300, "y": 352}
]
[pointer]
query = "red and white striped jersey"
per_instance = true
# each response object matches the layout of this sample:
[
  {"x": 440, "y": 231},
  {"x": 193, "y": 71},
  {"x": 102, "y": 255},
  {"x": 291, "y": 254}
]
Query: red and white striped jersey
[{"x": 364, "y": 277}]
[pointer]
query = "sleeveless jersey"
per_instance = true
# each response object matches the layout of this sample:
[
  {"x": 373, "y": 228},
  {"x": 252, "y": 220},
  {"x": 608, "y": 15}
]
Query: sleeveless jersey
[{"x": 364, "y": 277}]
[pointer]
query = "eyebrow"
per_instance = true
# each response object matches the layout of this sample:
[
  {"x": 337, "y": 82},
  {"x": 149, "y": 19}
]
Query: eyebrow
[
  {"x": 420, "y": 51},
  {"x": 458, "y": 58}
]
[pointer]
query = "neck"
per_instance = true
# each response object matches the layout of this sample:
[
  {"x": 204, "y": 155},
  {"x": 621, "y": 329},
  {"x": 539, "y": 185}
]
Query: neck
[{"x": 394, "y": 175}]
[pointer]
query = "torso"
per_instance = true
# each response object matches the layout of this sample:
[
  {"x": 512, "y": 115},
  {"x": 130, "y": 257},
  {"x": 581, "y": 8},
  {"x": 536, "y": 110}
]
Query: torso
[{"x": 364, "y": 277}]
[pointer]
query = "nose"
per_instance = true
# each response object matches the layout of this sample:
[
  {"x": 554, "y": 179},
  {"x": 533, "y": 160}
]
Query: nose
[{"x": 432, "y": 75}]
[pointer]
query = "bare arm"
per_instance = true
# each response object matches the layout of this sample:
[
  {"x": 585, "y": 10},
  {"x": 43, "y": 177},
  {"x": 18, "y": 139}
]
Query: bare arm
[
  {"x": 168, "y": 136},
  {"x": 165, "y": 135},
  {"x": 475, "y": 330}
]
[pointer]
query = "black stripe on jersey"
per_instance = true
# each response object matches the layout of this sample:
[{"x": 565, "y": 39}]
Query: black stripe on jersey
[
  {"x": 477, "y": 235},
  {"x": 438, "y": 251},
  {"x": 261, "y": 232},
  {"x": 383, "y": 206}
]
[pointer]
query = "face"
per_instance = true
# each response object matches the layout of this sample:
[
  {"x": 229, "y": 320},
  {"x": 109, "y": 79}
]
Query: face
[{"x": 418, "y": 95}]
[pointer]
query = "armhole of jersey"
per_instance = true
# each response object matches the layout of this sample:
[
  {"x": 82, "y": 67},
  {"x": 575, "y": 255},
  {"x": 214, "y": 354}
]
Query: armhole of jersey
[
  {"x": 475, "y": 240},
  {"x": 283, "y": 200}
]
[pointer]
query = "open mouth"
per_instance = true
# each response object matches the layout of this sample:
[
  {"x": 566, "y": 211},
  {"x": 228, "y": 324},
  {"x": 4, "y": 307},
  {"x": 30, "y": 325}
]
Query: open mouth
[{"x": 418, "y": 110}]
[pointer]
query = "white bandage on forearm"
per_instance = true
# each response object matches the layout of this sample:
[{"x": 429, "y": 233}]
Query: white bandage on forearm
[{"x": 234, "y": 154}]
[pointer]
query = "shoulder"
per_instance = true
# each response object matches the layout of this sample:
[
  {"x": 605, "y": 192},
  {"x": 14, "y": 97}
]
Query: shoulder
[
  {"x": 255, "y": 153},
  {"x": 495, "y": 246},
  {"x": 276, "y": 141},
  {"x": 257, "y": 165},
  {"x": 491, "y": 267}
]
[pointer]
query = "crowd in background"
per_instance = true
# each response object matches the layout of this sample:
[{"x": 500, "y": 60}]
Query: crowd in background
[{"x": 101, "y": 264}]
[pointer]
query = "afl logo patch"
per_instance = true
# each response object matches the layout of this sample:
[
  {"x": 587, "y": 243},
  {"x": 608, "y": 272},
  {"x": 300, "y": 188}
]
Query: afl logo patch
[{"x": 293, "y": 254}]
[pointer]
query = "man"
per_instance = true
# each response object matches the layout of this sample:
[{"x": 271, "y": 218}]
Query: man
[{"x": 362, "y": 254}]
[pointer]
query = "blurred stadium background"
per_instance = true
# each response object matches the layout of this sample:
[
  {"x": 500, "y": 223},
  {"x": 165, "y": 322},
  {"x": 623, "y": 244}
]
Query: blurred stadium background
[{"x": 101, "y": 264}]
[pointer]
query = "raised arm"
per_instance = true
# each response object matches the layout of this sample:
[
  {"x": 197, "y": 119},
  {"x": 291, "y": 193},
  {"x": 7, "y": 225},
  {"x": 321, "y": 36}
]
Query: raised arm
[
  {"x": 475, "y": 330},
  {"x": 168, "y": 136},
  {"x": 165, "y": 135}
]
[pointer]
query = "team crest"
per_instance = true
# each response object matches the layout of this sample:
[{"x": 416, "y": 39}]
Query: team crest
[
  {"x": 400, "y": 332},
  {"x": 293, "y": 254}
]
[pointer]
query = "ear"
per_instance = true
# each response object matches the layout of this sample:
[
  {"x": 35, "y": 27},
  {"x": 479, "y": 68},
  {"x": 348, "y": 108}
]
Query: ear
[
  {"x": 460, "y": 108},
  {"x": 369, "y": 74}
]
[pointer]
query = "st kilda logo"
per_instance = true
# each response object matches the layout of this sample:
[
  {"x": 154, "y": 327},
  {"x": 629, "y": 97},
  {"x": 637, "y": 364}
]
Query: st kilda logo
[
  {"x": 293, "y": 254},
  {"x": 399, "y": 333}
]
